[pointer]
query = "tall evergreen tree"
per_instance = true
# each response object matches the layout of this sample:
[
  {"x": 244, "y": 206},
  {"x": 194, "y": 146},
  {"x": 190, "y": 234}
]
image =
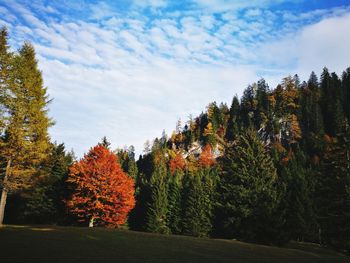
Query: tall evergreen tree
[
  {"x": 174, "y": 202},
  {"x": 346, "y": 92},
  {"x": 248, "y": 190},
  {"x": 311, "y": 117},
  {"x": 262, "y": 107},
  {"x": 248, "y": 105},
  {"x": 44, "y": 201},
  {"x": 126, "y": 158},
  {"x": 5, "y": 76},
  {"x": 198, "y": 203},
  {"x": 25, "y": 141},
  {"x": 233, "y": 121},
  {"x": 331, "y": 102},
  {"x": 158, "y": 205},
  {"x": 138, "y": 216},
  {"x": 333, "y": 195},
  {"x": 297, "y": 199}
]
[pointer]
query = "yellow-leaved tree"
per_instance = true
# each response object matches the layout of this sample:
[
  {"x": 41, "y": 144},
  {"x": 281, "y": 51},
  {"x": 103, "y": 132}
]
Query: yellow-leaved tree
[{"x": 24, "y": 139}]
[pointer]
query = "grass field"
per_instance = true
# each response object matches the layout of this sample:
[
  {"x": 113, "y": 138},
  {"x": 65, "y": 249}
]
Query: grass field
[{"x": 71, "y": 244}]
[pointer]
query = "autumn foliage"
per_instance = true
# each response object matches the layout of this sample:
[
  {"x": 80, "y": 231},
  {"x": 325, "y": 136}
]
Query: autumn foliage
[
  {"x": 177, "y": 163},
  {"x": 207, "y": 158},
  {"x": 103, "y": 193}
]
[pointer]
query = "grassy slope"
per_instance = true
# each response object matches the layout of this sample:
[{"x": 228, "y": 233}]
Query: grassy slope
[{"x": 69, "y": 244}]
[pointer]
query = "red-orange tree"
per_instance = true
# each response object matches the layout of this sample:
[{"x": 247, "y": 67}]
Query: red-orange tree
[
  {"x": 177, "y": 163},
  {"x": 103, "y": 193},
  {"x": 207, "y": 158}
]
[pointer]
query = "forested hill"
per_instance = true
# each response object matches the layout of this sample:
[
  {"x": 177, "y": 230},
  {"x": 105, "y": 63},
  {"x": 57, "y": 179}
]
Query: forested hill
[{"x": 273, "y": 166}]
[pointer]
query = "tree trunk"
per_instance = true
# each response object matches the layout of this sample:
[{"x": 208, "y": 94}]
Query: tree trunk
[
  {"x": 4, "y": 193},
  {"x": 2, "y": 205},
  {"x": 91, "y": 223}
]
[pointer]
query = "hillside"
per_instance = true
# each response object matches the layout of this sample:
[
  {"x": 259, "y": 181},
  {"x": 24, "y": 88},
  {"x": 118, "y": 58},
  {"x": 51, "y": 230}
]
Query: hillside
[{"x": 71, "y": 244}]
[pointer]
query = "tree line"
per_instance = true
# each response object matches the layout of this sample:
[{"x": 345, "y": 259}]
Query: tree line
[{"x": 273, "y": 166}]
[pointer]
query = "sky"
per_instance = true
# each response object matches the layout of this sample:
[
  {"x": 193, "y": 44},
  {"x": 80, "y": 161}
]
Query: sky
[{"x": 128, "y": 69}]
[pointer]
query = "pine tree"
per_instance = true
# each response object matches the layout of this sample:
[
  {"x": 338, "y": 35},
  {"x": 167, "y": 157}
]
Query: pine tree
[
  {"x": 333, "y": 195},
  {"x": 44, "y": 202},
  {"x": 214, "y": 116},
  {"x": 298, "y": 199},
  {"x": 104, "y": 142},
  {"x": 198, "y": 203},
  {"x": 248, "y": 105},
  {"x": 127, "y": 161},
  {"x": 5, "y": 83},
  {"x": 248, "y": 190},
  {"x": 262, "y": 108},
  {"x": 158, "y": 205},
  {"x": 331, "y": 102},
  {"x": 233, "y": 121},
  {"x": 311, "y": 117},
  {"x": 138, "y": 216},
  {"x": 132, "y": 168},
  {"x": 24, "y": 141},
  {"x": 346, "y": 92},
  {"x": 5, "y": 76},
  {"x": 174, "y": 202}
]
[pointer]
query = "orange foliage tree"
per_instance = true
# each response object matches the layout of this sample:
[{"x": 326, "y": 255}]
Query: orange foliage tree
[
  {"x": 207, "y": 158},
  {"x": 177, "y": 163},
  {"x": 103, "y": 194}
]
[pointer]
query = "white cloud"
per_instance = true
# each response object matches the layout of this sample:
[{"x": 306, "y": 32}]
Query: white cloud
[{"x": 325, "y": 43}]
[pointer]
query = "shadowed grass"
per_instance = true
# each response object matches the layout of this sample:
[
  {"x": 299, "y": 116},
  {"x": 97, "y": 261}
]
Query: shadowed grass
[{"x": 73, "y": 244}]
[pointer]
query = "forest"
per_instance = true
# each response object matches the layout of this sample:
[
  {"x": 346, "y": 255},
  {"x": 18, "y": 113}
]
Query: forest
[{"x": 273, "y": 166}]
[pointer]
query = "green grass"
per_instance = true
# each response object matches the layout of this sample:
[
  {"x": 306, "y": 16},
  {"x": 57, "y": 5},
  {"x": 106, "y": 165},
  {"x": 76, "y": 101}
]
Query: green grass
[{"x": 72, "y": 244}]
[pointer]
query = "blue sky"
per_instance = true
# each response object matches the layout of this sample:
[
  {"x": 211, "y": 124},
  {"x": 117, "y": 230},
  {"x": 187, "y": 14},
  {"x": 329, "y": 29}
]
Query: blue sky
[{"x": 129, "y": 69}]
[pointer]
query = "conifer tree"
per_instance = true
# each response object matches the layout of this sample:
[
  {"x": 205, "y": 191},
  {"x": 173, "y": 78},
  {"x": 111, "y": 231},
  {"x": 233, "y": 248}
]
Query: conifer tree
[
  {"x": 248, "y": 105},
  {"x": 331, "y": 102},
  {"x": 137, "y": 219},
  {"x": 233, "y": 121},
  {"x": 262, "y": 104},
  {"x": 297, "y": 199},
  {"x": 248, "y": 190},
  {"x": 126, "y": 159},
  {"x": 198, "y": 203},
  {"x": 333, "y": 195},
  {"x": 24, "y": 139},
  {"x": 158, "y": 205},
  {"x": 174, "y": 202},
  {"x": 138, "y": 216},
  {"x": 43, "y": 202},
  {"x": 104, "y": 142},
  {"x": 5, "y": 75},
  {"x": 346, "y": 92},
  {"x": 311, "y": 117}
]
